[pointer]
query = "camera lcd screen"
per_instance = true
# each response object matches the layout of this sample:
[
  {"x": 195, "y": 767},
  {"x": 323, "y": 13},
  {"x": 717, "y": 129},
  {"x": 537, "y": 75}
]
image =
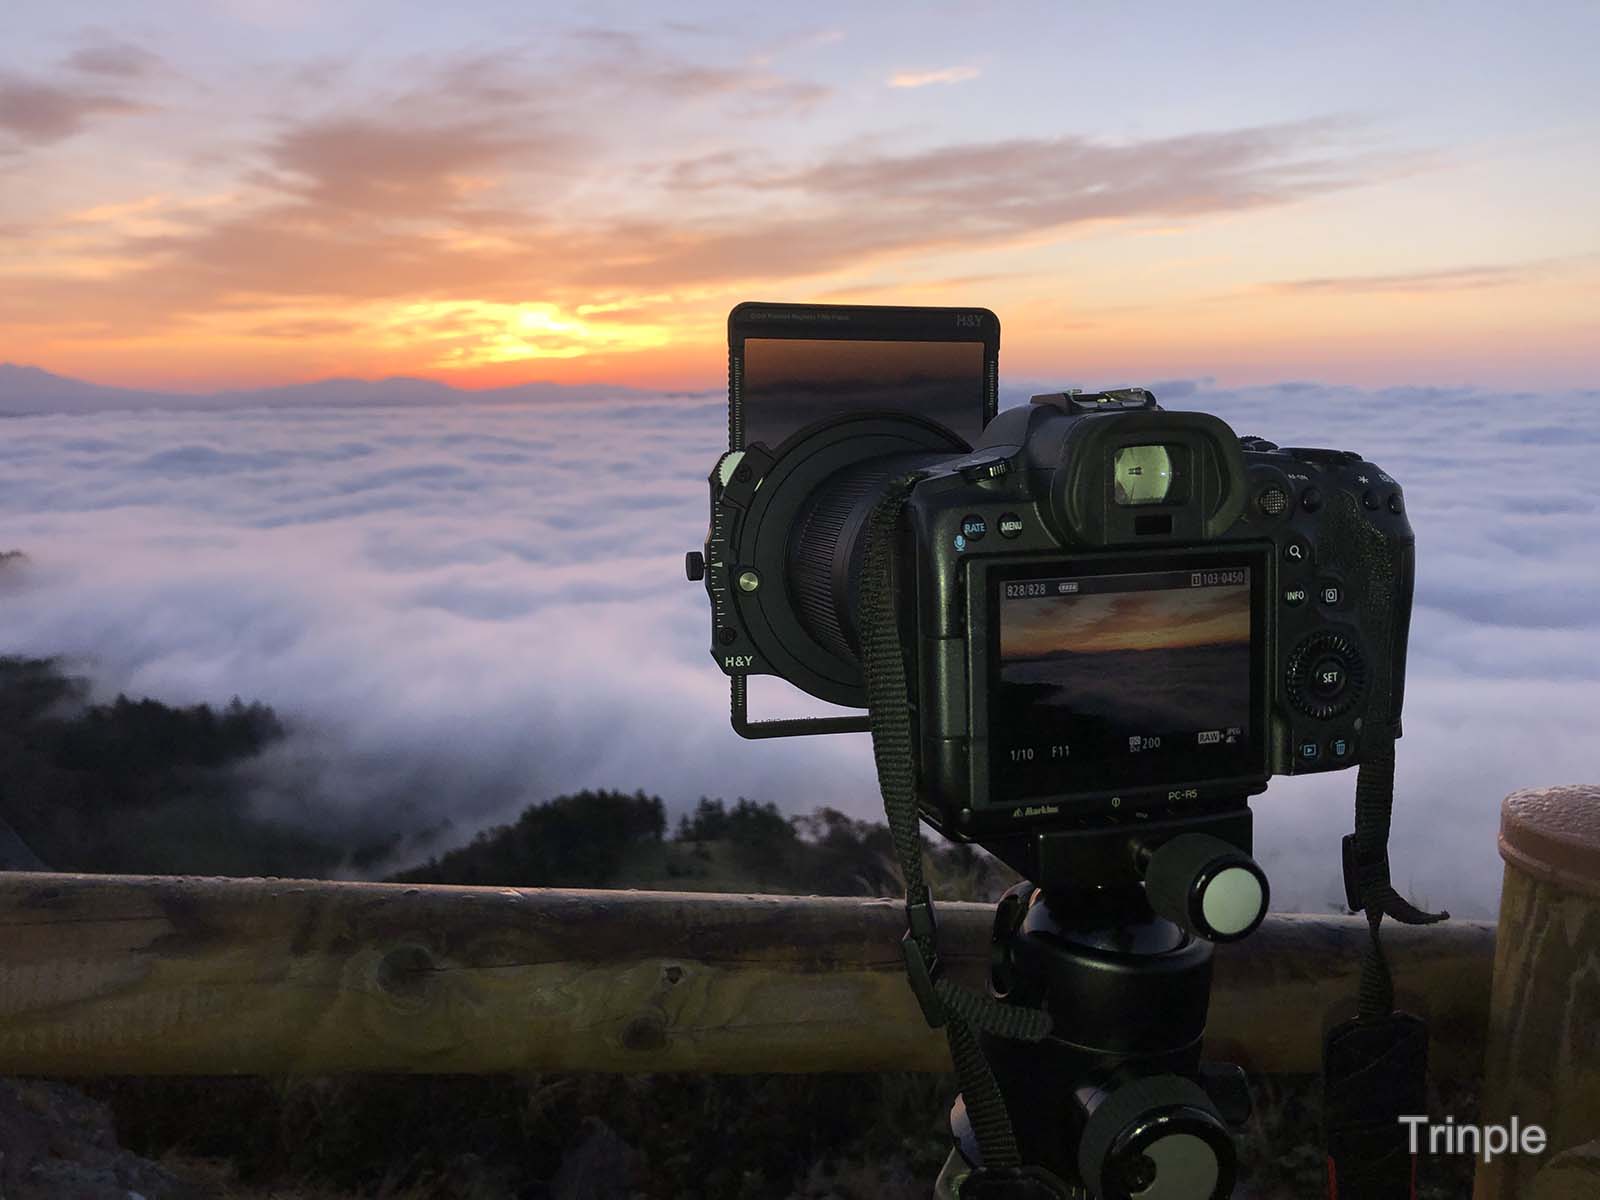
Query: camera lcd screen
[
  {"x": 790, "y": 383},
  {"x": 1119, "y": 680}
]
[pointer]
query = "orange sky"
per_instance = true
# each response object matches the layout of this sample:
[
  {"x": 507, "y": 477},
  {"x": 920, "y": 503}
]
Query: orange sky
[
  {"x": 259, "y": 197},
  {"x": 1105, "y": 622}
]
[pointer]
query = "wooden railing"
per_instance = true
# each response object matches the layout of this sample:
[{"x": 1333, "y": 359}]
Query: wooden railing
[
  {"x": 107, "y": 974},
  {"x": 151, "y": 975}
]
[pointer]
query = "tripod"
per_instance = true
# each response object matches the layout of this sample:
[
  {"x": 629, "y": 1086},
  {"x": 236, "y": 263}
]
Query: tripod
[{"x": 1115, "y": 1104}]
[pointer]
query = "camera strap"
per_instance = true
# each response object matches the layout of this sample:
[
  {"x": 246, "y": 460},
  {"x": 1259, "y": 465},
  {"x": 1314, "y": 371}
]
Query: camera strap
[
  {"x": 958, "y": 1010},
  {"x": 1374, "y": 1067}
]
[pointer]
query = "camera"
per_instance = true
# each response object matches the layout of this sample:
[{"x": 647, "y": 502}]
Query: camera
[
  {"x": 1086, "y": 629},
  {"x": 1111, "y": 614}
]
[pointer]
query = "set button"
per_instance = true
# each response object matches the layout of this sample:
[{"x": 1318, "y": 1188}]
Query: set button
[{"x": 1328, "y": 677}]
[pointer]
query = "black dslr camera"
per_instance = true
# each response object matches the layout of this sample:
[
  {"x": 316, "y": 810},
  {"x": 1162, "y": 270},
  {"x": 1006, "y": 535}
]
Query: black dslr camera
[
  {"x": 1091, "y": 629},
  {"x": 1122, "y": 614}
]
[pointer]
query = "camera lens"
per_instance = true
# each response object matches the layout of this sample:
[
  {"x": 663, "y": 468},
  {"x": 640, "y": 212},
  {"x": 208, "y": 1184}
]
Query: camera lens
[{"x": 828, "y": 546}]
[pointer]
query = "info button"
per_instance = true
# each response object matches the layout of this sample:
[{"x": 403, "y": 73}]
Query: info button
[{"x": 1294, "y": 597}]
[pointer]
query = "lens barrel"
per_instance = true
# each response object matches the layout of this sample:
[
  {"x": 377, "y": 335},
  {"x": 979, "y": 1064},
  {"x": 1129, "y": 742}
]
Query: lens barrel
[{"x": 828, "y": 545}]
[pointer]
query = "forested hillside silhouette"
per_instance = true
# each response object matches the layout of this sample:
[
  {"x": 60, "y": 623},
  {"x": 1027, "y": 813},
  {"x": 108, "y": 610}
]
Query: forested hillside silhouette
[
  {"x": 140, "y": 787},
  {"x": 135, "y": 785}
]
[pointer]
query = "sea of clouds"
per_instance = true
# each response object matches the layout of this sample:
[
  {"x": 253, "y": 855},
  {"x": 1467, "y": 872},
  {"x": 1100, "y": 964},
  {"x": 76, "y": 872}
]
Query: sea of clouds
[{"x": 467, "y": 608}]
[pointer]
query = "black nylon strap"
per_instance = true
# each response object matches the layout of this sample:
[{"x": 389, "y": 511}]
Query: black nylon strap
[
  {"x": 1367, "y": 884},
  {"x": 944, "y": 1003},
  {"x": 1374, "y": 1067}
]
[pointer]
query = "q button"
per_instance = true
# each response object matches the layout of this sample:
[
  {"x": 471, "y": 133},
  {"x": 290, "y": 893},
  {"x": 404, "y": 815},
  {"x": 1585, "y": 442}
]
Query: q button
[{"x": 1296, "y": 551}]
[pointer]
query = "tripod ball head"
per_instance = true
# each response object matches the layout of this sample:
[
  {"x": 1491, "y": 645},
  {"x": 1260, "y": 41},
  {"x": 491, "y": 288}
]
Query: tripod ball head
[{"x": 1207, "y": 887}]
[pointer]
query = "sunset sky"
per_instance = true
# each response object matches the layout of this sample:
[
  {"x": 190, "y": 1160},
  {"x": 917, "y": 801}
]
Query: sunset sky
[
  {"x": 198, "y": 194},
  {"x": 1108, "y": 622}
]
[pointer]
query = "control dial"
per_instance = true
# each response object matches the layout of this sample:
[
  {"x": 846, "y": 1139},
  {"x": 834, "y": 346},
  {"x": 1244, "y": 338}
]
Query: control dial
[{"x": 1326, "y": 675}]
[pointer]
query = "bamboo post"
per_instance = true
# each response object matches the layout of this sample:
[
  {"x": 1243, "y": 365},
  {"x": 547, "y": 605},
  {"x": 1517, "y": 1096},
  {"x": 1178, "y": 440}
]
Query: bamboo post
[
  {"x": 104, "y": 975},
  {"x": 1542, "y": 1060}
]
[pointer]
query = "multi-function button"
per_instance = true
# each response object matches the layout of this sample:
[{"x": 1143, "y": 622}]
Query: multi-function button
[{"x": 1273, "y": 500}]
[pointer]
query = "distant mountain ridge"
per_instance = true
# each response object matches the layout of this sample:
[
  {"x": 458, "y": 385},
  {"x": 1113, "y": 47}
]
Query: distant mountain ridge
[{"x": 31, "y": 391}]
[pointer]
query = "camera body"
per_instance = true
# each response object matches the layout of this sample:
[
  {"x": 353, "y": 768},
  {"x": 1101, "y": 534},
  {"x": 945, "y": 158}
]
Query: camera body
[
  {"x": 1112, "y": 614},
  {"x": 1294, "y": 567}
]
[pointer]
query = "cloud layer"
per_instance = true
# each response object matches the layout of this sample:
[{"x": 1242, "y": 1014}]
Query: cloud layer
[{"x": 465, "y": 610}]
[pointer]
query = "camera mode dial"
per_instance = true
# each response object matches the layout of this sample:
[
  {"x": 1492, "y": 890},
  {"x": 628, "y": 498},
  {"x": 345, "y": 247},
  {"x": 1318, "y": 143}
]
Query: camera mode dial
[{"x": 1326, "y": 675}]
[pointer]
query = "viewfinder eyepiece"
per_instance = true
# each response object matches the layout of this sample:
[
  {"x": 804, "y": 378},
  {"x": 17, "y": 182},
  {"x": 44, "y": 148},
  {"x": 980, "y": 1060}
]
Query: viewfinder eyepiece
[{"x": 1141, "y": 475}]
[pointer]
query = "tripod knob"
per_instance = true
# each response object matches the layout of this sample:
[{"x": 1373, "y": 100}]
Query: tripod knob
[
  {"x": 1158, "y": 1137},
  {"x": 1206, "y": 887}
]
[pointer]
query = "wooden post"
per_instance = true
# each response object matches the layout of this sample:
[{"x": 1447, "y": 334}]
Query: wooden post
[
  {"x": 1542, "y": 1060},
  {"x": 104, "y": 975},
  {"x": 1571, "y": 1175}
]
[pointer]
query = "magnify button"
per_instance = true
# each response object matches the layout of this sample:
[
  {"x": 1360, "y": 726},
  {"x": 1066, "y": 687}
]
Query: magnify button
[{"x": 1297, "y": 551}]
